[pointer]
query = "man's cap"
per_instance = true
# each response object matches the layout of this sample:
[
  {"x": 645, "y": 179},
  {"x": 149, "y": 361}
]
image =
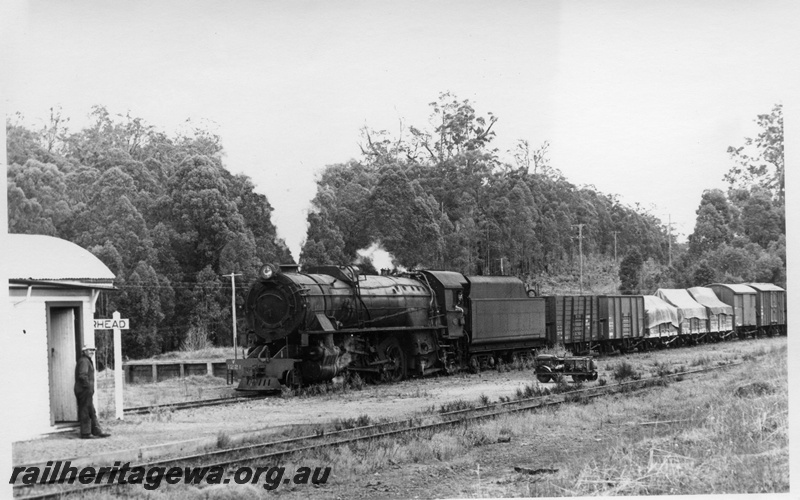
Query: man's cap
[{"x": 86, "y": 347}]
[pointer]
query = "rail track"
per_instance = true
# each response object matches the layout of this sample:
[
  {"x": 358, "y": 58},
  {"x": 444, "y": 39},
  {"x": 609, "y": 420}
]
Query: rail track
[
  {"x": 200, "y": 403},
  {"x": 272, "y": 450}
]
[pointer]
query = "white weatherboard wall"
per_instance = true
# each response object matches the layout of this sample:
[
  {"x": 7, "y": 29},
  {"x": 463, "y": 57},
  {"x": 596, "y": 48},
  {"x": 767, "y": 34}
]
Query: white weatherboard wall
[{"x": 27, "y": 333}]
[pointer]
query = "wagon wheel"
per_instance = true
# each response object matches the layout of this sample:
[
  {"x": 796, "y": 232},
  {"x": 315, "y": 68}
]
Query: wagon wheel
[
  {"x": 391, "y": 351},
  {"x": 291, "y": 379},
  {"x": 545, "y": 376}
]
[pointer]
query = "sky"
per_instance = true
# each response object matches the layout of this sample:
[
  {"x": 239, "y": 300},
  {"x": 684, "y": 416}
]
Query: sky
[{"x": 639, "y": 99}]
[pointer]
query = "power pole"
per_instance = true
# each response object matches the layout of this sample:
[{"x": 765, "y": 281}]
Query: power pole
[
  {"x": 488, "y": 259},
  {"x": 669, "y": 240},
  {"x": 580, "y": 250},
  {"x": 233, "y": 309},
  {"x": 615, "y": 246}
]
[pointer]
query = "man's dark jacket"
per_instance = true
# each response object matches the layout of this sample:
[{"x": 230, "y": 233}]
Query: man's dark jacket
[{"x": 84, "y": 376}]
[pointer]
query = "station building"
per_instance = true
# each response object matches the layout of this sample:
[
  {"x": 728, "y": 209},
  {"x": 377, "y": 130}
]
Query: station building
[{"x": 53, "y": 288}]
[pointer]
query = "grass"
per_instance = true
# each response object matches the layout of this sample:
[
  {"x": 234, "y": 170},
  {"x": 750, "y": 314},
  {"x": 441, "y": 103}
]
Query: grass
[
  {"x": 173, "y": 390},
  {"x": 724, "y": 445},
  {"x": 531, "y": 390},
  {"x": 351, "y": 423},
  {"x": 223, "y": 440},
  {"x": 456, "y": 405},
  {"x": 334, "y": 388},
  {"x": 662, "y": 369},
  {"x": 623, "y": 371},
  {"x": 518, "y": 364},
  {"x": 206, "y": 353},
  {"x": 724, "y": 437},
  {"x": 715, "y": 434},
  {"x": 702, "y": 360},
  {"x": 167, "y": 391},
  {"x": 726, "y": 432}
]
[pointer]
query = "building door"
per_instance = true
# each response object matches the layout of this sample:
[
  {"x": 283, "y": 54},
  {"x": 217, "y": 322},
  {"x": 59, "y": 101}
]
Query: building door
[{"x": 62, "y": 357}]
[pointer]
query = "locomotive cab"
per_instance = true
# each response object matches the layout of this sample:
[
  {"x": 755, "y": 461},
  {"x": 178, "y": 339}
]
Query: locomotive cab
[{"x": 449, "y": 289}]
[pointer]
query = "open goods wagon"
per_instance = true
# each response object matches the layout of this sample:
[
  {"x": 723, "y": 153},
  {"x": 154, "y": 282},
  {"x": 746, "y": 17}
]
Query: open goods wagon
[
  {"x": 586, "y": 323},
  {"x": 573, "y": 320},
  {"x": 622, "y": 321}
]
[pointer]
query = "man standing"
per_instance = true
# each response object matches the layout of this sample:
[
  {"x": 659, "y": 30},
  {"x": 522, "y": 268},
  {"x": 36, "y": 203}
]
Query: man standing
[{"x": 84, "y": 390}]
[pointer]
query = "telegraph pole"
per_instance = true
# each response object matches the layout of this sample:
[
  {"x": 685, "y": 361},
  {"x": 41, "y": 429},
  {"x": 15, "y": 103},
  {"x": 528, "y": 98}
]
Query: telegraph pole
[
  {"x": 233, "y": 309},
  {"x": 580, "y": 250},
  {"x": 488, "y": 260},
  {"x": 669, "y": 239},
  {"x": 615, "y": 246}
]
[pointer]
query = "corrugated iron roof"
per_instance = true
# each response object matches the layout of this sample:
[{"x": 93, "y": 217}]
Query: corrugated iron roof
[
  {"x": 40, "y": 257},
  {"x": 735, "y": 288},
  {"x": 766, "y": 287}
]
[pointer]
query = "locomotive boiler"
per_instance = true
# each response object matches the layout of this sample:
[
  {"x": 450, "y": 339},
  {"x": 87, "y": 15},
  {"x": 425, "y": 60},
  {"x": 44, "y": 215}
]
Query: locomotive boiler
[{"x": 310, "y": 326}]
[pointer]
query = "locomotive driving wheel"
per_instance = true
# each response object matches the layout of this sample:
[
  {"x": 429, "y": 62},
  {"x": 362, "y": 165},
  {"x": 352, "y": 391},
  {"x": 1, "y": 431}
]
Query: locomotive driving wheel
[{"x": 395, "y": 369}]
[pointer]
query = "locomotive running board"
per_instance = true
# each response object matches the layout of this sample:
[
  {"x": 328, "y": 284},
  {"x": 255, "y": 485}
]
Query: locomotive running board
[{"x": 384, "y": 329}]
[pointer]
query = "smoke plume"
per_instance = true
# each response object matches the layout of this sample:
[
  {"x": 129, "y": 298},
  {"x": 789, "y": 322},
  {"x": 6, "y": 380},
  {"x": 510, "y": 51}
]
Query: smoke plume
[{"x": 378, "y": 256}]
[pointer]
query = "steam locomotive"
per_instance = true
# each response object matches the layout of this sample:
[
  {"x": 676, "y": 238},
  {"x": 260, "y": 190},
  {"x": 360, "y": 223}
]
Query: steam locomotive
[{"x": 311, "y": 326}]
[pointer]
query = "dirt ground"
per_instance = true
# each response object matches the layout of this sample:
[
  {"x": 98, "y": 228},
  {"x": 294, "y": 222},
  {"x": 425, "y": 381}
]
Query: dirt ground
[
  {"x": 379, "y": 401},
  {"x": 395, "y": 401}
]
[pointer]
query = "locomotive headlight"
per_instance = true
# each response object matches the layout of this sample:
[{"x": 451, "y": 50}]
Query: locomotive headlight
[{"x": 266, "y": 272}]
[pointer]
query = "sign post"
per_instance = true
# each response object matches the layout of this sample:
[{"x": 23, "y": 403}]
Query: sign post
[
  {"x": 233, "y": 310},
  {"x": 117, "y": 324}
]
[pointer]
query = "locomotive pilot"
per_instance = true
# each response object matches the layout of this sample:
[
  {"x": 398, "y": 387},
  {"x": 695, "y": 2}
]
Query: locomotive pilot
[{"x": 84, "y": 391}]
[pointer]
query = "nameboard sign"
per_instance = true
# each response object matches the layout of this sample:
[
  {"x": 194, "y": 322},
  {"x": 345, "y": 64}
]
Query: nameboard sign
[{"x": 110, "y": 324}]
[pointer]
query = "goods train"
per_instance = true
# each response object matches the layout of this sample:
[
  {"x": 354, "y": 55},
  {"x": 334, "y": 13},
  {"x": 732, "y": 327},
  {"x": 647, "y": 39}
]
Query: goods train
[{"x": 311, "y": 326}]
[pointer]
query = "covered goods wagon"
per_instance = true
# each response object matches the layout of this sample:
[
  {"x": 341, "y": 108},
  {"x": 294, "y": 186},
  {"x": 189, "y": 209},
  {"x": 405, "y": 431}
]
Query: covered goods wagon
[
  {"x": 661, "y": 320},
  {"x": 742, "y": 299},
  {"x": 770, "y": 308},
  {"x": 720, "y": 314},
  {"x": 692, "y": 316}
]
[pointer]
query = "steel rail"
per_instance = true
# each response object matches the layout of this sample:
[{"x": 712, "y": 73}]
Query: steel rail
[{"x": 182, "y": 405}]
